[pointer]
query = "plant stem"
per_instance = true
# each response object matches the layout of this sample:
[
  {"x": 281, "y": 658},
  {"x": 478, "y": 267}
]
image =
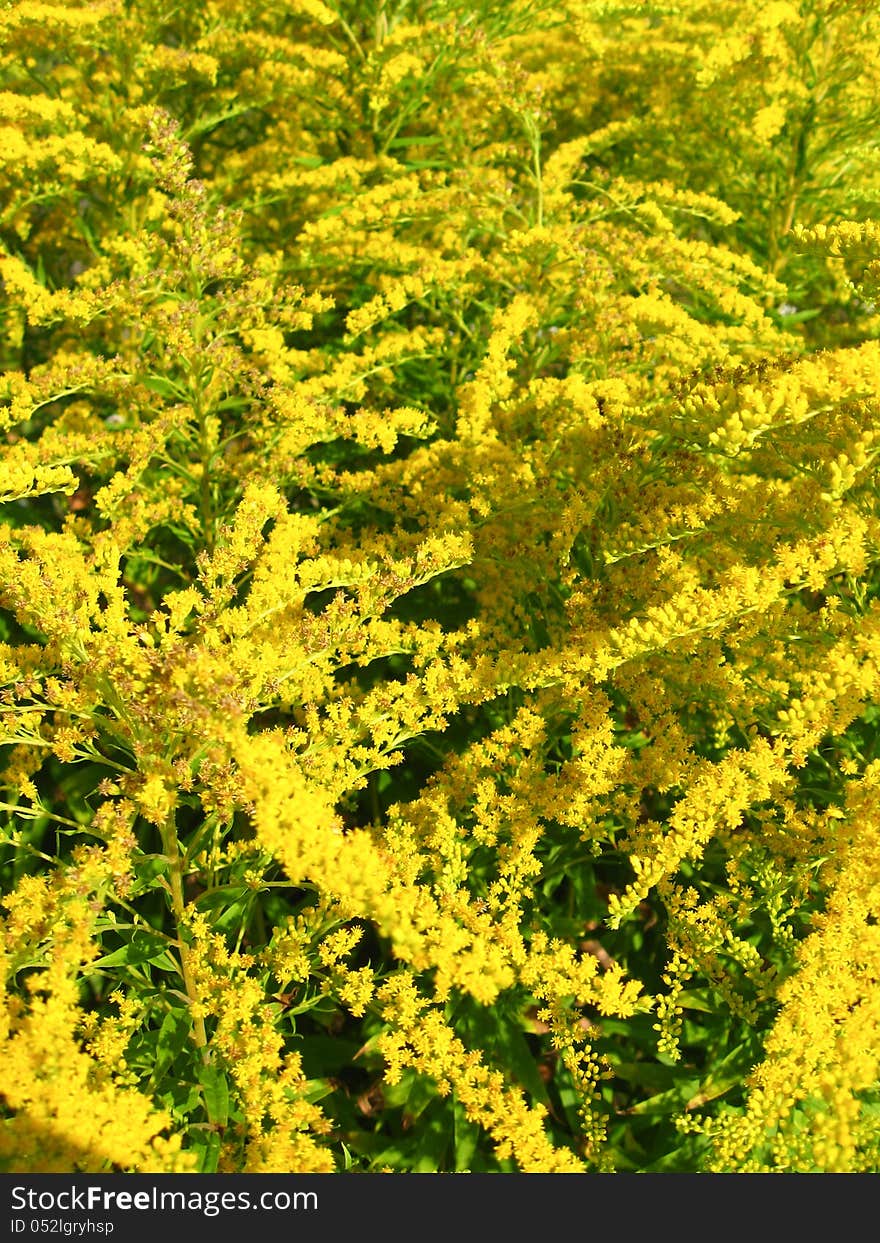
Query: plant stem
[{"x": 178, "y": 905}]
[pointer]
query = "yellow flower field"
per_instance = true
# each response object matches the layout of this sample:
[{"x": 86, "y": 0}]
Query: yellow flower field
[{"x": 440, "y": 586}]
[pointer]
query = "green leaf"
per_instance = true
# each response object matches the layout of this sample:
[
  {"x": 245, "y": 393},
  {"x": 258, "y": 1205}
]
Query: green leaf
[
  {"x": 143, "y": 947},
  {"x": 325, "y": 1055},
  {"x": 696, "y": 999},
  {"x": 466, "y": 1137},
  {"x": 222, "y": 897},
  {"x": 666, "y": 1102},
  {"x": 163, "y": 387},
  {"x": 728, "y": 1073},
  {"x": 648, "y": 1075},
  {"x": 801, "y": 317},
  {"x": 317, "y": 1090},
  {"x": 149, "y": 868},
  {"x": 416, "y": 140},
  {"x": 508, "y": 1048},
  {"x": 520, "y": 1060},
  {"x": 207, "y": 1145},
  {"x": 215, "y": 1090},
  {"x": 171, "y": 1038}
]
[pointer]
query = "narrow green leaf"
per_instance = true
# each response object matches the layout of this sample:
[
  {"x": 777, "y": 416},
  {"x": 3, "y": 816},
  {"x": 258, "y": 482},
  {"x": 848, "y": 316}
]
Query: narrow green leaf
[
  {"x": 171, "y": 1038},
  {"x": 215, "y": 1090},
  {"x": 143, "y": 947}
]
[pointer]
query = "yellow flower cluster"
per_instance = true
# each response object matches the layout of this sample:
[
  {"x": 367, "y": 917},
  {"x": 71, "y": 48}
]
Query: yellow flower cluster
[
  {"x": 67, "y": 1107},
  {"x": 438, "y": 569},
  {"x": 810, "y": 1102}
]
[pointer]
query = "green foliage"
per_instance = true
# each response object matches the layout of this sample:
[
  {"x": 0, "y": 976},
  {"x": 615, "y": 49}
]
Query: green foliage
[{"x": 439, "y": 561}]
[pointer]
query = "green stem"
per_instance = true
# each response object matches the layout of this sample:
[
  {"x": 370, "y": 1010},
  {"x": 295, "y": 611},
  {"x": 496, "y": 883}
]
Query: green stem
[
  {"x": 539, "y": 185},
  {"x": 178, "y": 905}
]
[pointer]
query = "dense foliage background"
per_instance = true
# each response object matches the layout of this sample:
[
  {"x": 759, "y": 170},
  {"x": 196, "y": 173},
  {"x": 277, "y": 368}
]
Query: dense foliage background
[{"x": 439, "y": 635}]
